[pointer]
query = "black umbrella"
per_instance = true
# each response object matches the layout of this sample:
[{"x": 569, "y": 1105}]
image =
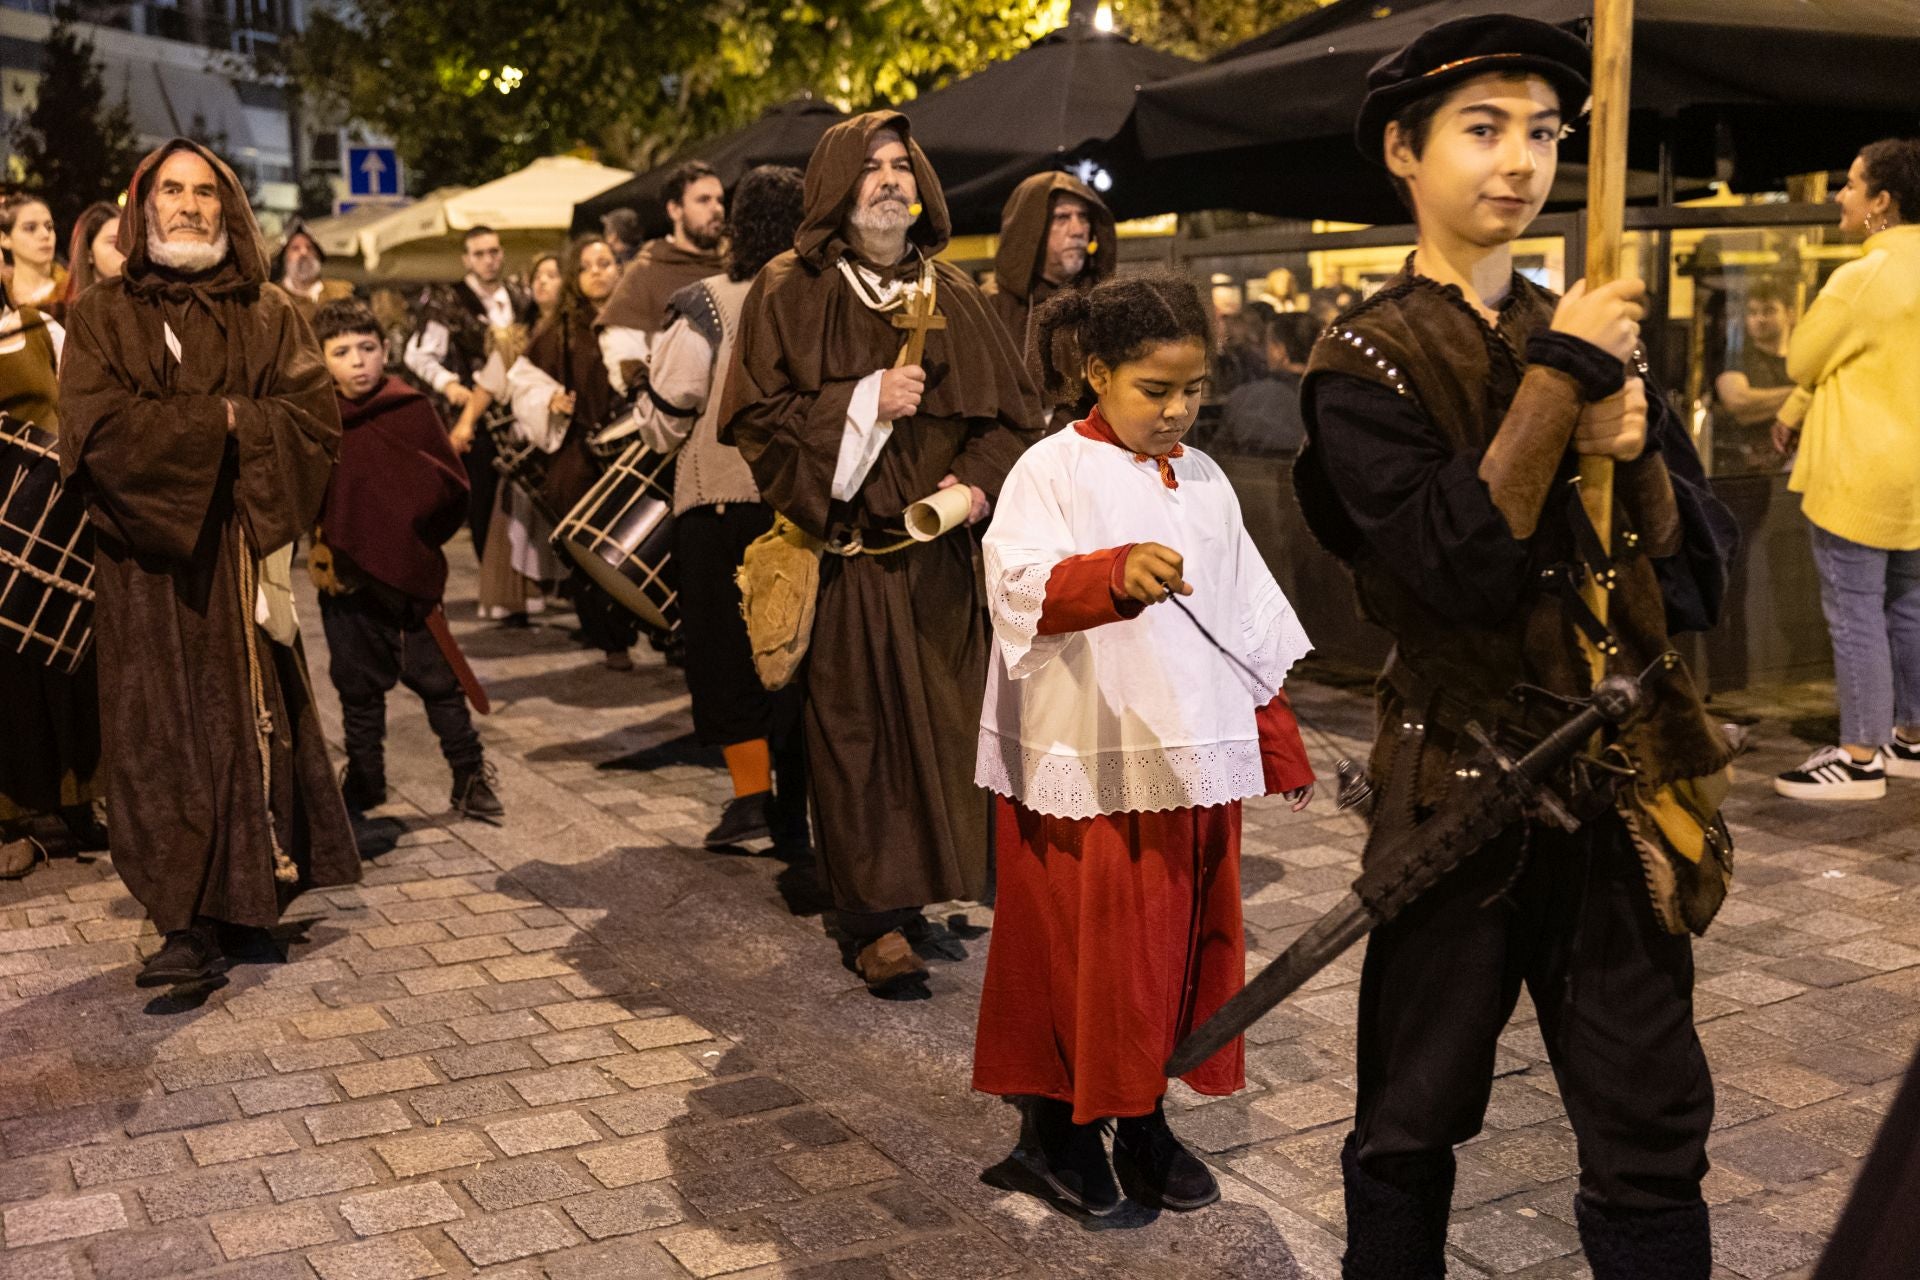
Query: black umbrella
[
  {"x": 785, "y": 134},
  {"x": 1776, "y": 86},
  {"x": 1053, "y": 105}
]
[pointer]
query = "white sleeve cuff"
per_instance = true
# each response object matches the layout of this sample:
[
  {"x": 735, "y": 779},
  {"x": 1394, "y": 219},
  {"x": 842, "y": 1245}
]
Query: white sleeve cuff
[
  {"x": 618, "y": 345},
  {"x": 865, "y": 436}
]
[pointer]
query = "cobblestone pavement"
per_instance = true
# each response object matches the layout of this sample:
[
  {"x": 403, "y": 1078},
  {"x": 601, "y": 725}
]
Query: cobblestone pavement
[{"x": 579, "y": 1046}]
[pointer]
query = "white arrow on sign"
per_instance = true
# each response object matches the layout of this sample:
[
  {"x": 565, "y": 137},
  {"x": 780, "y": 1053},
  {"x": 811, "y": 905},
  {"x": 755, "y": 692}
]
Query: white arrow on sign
[{"x": 373, "y": 166}]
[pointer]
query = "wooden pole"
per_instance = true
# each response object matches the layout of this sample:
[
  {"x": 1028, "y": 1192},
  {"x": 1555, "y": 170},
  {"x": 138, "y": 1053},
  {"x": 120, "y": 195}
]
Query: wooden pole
[{"x": 1606, "y": 218}]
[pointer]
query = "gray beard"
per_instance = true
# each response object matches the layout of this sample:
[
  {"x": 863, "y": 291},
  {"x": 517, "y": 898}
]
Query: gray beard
[
  {"x": 189, "y": 257},
  {"x": 879, "y": 232}
]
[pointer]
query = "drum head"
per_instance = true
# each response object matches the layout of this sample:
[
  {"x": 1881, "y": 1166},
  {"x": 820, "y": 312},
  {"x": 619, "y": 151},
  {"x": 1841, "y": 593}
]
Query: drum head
[{"x": 629, "y": 560}]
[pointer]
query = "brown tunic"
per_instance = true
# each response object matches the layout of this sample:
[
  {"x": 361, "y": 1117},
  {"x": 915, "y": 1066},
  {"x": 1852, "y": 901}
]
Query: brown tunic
[
  {"x": 660, "y": 270},
  {"x": 182, "y": 507},
  {"x": 1018, "y": 288},
  {"x": 897, "y": 666}
]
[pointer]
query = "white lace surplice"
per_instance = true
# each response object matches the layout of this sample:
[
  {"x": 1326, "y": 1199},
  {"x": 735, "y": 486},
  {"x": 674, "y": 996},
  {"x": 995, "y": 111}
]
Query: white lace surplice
[{"x": 1143, "y": 714}]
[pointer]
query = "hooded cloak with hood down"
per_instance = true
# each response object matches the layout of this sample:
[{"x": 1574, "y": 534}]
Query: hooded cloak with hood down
[
  {"x": 1018, "y": 287},
  {"x": 898, "y": 662},
  {"x": 185, "y": 506}
]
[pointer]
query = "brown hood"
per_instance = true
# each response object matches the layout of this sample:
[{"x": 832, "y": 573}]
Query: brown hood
[
  {"x": 246, "y": 263},
  {"x": 833, "y": 175},
  {"x": 1023, "y": 234}
]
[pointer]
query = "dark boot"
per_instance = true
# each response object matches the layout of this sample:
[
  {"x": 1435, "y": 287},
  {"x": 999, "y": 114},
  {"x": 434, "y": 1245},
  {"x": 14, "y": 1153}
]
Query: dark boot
[
  {"x": 473, "y": 795},
  {"x": 363, "y": 786},
  {"x": 1070, "y": 1158},
  {"x": 190, "y": 955},
  {"x": 1396, "y": 1232},
  {"x": 1662, "y": 1244},
  {"x": 744, "y": 819},
  {"x": 1156, "y": 1169}
]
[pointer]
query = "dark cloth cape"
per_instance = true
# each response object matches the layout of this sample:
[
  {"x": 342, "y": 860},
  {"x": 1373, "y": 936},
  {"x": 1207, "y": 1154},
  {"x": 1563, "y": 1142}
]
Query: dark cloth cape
[
  {"x": 181, "y": 505},
  {"x": 1878, "y": 1235},
  {"x": 1018, "y": 288},
  {"x": 660, "y": 270},
  {"x": 897, "y": 670},
  {"x": 566, "y": 350},
  {"x": 398, "y": 492}
]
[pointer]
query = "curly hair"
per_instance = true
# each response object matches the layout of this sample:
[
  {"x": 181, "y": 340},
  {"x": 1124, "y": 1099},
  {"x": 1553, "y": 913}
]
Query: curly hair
[
  {"x": 1115, "y": 322},
  {"x": 1893, "y": 166},
  {"x": 764, "y": 214},
  {"x": 683, "y": 176},
  {"x": 342, "y": 316}
]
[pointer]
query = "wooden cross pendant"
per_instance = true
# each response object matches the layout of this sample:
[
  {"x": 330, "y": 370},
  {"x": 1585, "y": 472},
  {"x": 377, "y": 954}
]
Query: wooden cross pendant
[{"x": 918, "y": 317}]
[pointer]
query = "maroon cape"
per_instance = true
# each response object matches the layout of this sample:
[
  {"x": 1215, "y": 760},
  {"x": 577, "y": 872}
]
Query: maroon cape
[{"x": 398, "y": 492}]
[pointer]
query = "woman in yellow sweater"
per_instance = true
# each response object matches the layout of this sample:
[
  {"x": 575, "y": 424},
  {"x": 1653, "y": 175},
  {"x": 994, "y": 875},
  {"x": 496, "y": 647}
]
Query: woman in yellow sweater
[{"x": 1856, "y": 415}]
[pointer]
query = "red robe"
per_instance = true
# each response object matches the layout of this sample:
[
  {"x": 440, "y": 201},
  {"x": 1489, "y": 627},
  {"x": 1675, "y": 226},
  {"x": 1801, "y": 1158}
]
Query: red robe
[{"x": 1116, "y": 935}]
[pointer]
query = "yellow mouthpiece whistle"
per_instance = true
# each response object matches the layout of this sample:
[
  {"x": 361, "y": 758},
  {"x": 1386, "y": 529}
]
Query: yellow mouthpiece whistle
[
  {"x": 914, "y": 208},
  {"x": 1093, "y": 247}
]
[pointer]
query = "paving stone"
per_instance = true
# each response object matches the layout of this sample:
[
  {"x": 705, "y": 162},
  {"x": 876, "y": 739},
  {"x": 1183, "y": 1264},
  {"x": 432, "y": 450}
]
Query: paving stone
[
  {"x": 547, "y": 1132},
  {"x": 603, "y": 1214},
  {"x": 1505, "y": 1242},
  {"x": 565, "y": 1084},
  {"x": 745, "y": 1097},
  {"x": 188, "y": 1109},
  {"x": 401, "y": 1042},
  {"x": 319, "y": 1174},
  {"x": 735, "y": 1189},
  {"x": 819, "y": 1225},
  {"x": 223, "y": 1068},
  {"x": 714, "y": 1251},
  {"x": 483, "y": 1060},
  {"x": 572, "y": 1015},
  {"x": 44, "y": 1221},
  {"x": 311, "y": 1057},
  {"x": 956, "y": 1258},
  {"x": 142, "y": 1255},
  {"x": 625, "y": 1163},
  {"x": 488, "y": 1027},
  {"x": 389, "y": 1076},
  {"x": 518, "y": 968},
  {"x": 443, "y": 1006},
  {"x": 1755, "y": 1247},
  {"x": 196, "y": 1195},
  {"x": 391, "y": 1258},
  {"x": 282, "y": 1093},
  {"x": 126, "y": 1161},
  {"x": 576, "y": 1046},
  {"x": 462, "y": 1101},
  {"x": 656, "y": 1066},
  {"x": 831, "y": 1168},
  {"x": 658, "y": 1033},
  {"x": 1776, "y": 1157},
  {"x": 506, "y": 1237},
  {"x": 458, "y": 977},
  {"x": 509, "y": 1186},
  {"x": 641, "y": 1112},
  {"x": 432, "y": 1152},
  {"x": 528, "y": 994},
  {"x": 911, "y": 1207},
  {"x": 240, "y": 1140},
  {"x": 255, "y": 1232},
  {"x": 329, "y": 1023},
  {"x": 418, "y": 1204},
  {"x": 346, "y": 1120},
  {"x": 32, "y": 1179}
]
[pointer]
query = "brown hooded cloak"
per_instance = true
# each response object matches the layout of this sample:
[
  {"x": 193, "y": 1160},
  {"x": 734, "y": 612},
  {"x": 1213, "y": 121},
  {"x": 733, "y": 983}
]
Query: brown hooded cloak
[
  {"x": 897, "y": 666},
  {"x": 1018, "y": 288},
  {"x": 660, "y": 270},
  {"x": 184, "y": 506}
]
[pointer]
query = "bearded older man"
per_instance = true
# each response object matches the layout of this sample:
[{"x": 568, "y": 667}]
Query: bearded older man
[
  {"x": 198, "y": 421},
  {"x": 843, "y": 436}
]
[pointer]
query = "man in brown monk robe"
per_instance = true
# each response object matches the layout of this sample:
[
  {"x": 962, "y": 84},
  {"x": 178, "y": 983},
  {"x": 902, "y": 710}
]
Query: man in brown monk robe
[
  {"x": 198, "y": 422},
  {"x": 1055, "y": 234},
  {"x": 841, "y": 442},
  {"x": 637, "y": 311}
]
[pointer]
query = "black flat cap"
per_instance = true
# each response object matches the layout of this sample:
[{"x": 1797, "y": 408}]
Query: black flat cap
[{"x": 1464, "y": 48}]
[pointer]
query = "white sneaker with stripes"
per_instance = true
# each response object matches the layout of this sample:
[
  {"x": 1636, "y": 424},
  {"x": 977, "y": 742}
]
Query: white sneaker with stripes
[
  {"x": 1903, "y": 758},
  {"x": 1832, "y": 774}
]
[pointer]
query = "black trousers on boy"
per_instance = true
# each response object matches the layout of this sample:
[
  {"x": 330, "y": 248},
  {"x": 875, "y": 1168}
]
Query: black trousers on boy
[
  {"x": 1614, "y": 993},
  {"x": 376, "y": 638}
]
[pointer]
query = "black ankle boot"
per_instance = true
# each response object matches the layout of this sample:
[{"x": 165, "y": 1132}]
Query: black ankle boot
[
  {"x": 1395, "y": 1231},
  {"x": 1156, "y": 1169},
  {"x": 363, "y": 786},
  {"x": 473, "y": 795},
  {"x": 1664, "y": 1244},
  {"x": 1070, "y": 1158},
  {"x": 190, "y": 955},
  {"x": 744, "y": 819}
]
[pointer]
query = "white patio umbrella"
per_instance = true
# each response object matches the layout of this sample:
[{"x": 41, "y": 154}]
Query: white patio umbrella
[{"x": 538, "y": 197}]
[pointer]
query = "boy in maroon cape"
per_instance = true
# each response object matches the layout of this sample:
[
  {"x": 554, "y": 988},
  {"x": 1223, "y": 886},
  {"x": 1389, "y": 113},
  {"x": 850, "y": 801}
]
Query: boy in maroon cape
[{"x": 397, "y": 494}]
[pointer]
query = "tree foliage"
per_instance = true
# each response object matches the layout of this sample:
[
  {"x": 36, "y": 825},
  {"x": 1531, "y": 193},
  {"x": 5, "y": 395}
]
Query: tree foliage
[
  {"x": 471, "y": 89},
  {"x": 74, "y": 146}
]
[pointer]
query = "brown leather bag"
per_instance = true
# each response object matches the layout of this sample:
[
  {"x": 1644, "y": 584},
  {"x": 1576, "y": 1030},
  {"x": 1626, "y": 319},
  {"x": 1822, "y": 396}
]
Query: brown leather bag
[{"x": 779, "y": 581}]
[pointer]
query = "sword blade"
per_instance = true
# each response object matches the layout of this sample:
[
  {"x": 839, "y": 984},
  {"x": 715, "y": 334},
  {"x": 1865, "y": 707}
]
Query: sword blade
[
  {"x": 469, "y": 683},
  {"x": 1342, "y": 926}
]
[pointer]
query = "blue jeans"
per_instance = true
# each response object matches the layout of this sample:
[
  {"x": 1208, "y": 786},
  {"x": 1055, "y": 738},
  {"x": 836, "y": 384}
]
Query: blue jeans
[{"x": 1872, "y": 602}]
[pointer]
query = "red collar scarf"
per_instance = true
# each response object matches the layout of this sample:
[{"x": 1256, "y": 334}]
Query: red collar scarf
[{"x": 1096, "y": 427}]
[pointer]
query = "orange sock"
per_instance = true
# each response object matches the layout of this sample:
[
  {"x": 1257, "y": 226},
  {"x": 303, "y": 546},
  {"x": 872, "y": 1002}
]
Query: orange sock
[{"x": 751, "y": 765}]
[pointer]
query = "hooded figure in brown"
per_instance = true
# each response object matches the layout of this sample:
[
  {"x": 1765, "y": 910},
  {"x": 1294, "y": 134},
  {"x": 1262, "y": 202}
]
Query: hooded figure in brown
[
  {"x": 199, "y": 423},
  {"x": 1055, "y": 234},
  {"x": 841, "y": 442}
]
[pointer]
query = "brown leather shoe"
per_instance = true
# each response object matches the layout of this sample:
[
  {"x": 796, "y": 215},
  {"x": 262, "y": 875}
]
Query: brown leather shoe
[
  {"x": 889, "y": 963},
  {"x": 17, "y": 857}
]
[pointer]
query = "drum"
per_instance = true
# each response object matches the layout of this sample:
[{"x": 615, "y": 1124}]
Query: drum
[
  {"x": 46, "y": 553},
  {"x": 612, "y": 440},
  {"x": 621, "y": 534},
  {"x": 520, "y": 463}
]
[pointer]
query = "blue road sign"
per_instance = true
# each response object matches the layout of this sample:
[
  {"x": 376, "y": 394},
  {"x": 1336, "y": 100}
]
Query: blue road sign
[{"x": 373, "y": 171}]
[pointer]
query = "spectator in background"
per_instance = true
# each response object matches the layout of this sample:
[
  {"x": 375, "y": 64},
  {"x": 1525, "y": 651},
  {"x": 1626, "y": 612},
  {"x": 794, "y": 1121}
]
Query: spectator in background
[
  {"x": 1328, "y": 301},
  {"x": 1852, "y": 359},
  {"x": 1243, "y": 348},
  {"x": 621, "y": 227},
  {"x": 1262, "y": 418},
  {"x": 297, "y": 269},
  {"x": 27, "y": 236},
  {"x": 92, "y": 254},
  {"x": 1749, "y": 394}
]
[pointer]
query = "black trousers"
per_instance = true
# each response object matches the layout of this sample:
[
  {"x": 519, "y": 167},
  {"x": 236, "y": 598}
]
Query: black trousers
[
  {"x": 1614, "y": 993},
  {"x": 729, "y": 703},
  {"x": 605, "y": 623},
  {"x": 483, "y": 481},
  {"x": 376, "y": 639}
]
